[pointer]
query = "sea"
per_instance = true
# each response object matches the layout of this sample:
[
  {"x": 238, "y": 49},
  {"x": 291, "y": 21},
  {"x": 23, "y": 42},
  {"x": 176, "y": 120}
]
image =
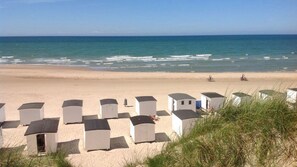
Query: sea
[{"x": 222, "y": 53}]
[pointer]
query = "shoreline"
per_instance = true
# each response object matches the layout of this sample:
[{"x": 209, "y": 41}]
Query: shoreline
[{"x": 52, "y": 71}]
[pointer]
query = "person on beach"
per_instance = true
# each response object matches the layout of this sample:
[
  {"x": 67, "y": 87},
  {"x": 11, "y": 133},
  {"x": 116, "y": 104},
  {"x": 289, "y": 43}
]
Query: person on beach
[
  {"x": 243, "y": 78},
  {"x": 210, "y": 79}
]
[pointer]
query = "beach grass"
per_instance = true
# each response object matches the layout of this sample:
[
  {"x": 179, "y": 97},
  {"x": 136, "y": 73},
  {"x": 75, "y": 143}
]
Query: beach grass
[
  {"x": 14, "y": 157},
  {"x": 256, "y": 133}
]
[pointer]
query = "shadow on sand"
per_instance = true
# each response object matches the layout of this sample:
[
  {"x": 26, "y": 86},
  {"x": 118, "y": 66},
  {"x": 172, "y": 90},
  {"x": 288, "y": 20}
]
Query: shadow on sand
[
  {"x": 88, "y": 117},
  {"x": 162, "y": 137},
  {"x": 124, "y": 115},
  {"x": 163, "y": 113},
  {"x": 70, "y": 147},
  {"x": 118, "y": 142}
]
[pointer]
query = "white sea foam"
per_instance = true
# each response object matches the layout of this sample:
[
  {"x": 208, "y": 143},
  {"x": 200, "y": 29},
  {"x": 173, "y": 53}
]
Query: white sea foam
[
  {"x": 62, "y": 60},
  {"x": 3, "y": 60},
  {"x": 7, "y": 57},
  {"x": 266, "y": 58},
  {"x": 221, "y": 59},
  {"x": 183, "y": 65},
  {"x": 122, "y": 58},
  {"x": 285, "y": 57},
  {"x": 16, "y": 61}
]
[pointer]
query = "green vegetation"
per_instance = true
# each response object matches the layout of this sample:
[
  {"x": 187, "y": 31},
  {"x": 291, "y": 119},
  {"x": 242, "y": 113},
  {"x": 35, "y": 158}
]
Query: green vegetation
[
  {"x": 14, "y": 157},
  {"x": 257, "y": 133}
]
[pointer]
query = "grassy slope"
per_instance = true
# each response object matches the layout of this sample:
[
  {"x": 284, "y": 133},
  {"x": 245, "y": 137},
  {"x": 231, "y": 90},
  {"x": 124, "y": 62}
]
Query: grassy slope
[
  {"x": 14, "y": 157},
  {"x": 254, "y": 134}
]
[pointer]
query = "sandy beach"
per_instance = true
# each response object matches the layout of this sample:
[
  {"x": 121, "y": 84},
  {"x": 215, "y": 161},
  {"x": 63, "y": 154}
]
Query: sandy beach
[{"x": 54, "y": 84}]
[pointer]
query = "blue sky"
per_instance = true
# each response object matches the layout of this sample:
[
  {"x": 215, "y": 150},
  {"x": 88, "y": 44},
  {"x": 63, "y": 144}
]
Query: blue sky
[{"x": 147, "y": 17}]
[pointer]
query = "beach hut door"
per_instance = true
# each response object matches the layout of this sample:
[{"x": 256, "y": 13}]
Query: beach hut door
[
  {"x": 207, "y": 104},
  {"x": 173, "y": 105},
  {"x": 40, "y": 143}
]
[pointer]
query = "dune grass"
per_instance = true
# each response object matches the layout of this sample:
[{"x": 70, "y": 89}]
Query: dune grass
[
  {"x": 14, "y": 157},
  {"x": 257, "y": 133}
]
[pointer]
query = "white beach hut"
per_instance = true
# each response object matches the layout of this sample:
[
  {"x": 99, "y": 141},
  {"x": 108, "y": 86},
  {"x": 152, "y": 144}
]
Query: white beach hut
[
  {"x": 2, "y": 112},
  {"x": 211, "y": 101},
  {"x": 142, "y": 129},
  {"x": 31, "y": 112},
  {"x": 292, "y": 97},
  {"x": 1, "y": 135},
  {"x": 108, "y": 108},
  {"x": 181, "y": 101},
  {"x": 146, "y": 105},
  {"x": 268, "y": 94},
  {"x": 42, "y": 136},
  {"x": 183, "y": 121},
  {"x": 72, "y": 111},
  {"x": 96, "y": 134},
  {"x": 240, "y": 98}
]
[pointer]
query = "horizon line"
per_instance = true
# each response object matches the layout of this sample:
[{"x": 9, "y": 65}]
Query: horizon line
[{"x": 181, "y": 35}]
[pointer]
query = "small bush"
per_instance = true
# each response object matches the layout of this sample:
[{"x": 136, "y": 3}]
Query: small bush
[{"x": 14, "y": 157}]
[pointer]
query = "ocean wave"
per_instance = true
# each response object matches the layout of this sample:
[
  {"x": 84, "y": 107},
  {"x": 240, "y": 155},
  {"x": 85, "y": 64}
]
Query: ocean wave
[
  {"x": 285, "y": 57},
  {"x": 7, "y": 57},
  {"x": 183, "y": 65},
  {"x": 123, "y": 58},
  {"x": 61, "y": 60},
  {"x": 3, "y": 60},
  {"x": 266, "y": 58},
  {"x": 221, "y": 59},
  {"x": 16, "y": 61}
]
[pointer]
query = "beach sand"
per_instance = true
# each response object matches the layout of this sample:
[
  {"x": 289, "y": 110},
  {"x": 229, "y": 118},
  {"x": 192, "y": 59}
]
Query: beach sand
[{"x": 54, "y": 84}]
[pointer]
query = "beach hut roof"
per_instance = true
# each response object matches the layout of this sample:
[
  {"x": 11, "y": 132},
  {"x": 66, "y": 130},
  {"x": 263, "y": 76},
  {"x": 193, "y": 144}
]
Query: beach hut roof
[
  {"x": 212, "y": 94},
  {"x": 180, "y": 96},
  {"x": 35, "y": 105},
  {"x": 240, "y": 94},
  {"x": 145, "y": 98},
  {"x": 1, "y": 105},
  {"x": 294, "y": 89},
  {"x": 186, "y": 114},
  {"x": 108, "y": 101},
  {"x": 72, "y": 102},
  {"x": 43, "y": 126},
  {"x": 141, "y": 119},
  {"x": 270, "y": 92},
  {"x": 96, "y": 124}
]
